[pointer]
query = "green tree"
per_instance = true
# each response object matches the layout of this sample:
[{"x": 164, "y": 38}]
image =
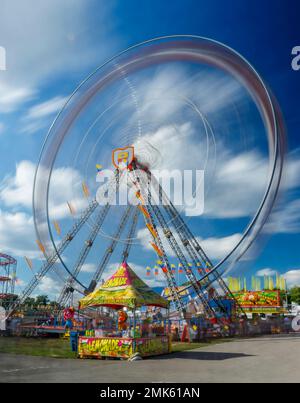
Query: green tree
[
  {"x": 294, "y": 295},
  {"x": 29, "y": 301},
  {"x": 42, "y": 300}
]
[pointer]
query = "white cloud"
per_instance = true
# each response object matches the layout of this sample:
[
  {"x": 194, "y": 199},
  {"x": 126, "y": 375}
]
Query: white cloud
[
  {"x": 266, "y": 272},
  {"x": 292, "y": 278},
  {"x": 216, "y": 248},
  {"x": 39, "y": 114},
  {"x": 2, "y": 128},
  {"x": 48, "y": 286},
  {"x": 234, "y": 186},
  {"x": 233, "y": 190},
  {"x": 46, "y": 108},
  {"x": 17, "y": 190},
  {"x": 291, "y": 177},
  {"x": 237, "y": 175},
  {"x": 88, "y": 268},
  {"x": 12, "y": 97},
  {"x": 48, "y": 38},
  {"x": 65, "y": 186},
  {"x": 17, "y": 235},
  {"x": 164, "y": 94},
  {"x": 285, "y": 219}
]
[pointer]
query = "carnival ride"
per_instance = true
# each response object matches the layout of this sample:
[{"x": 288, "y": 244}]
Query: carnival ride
[
  {"x": 8, "y": 267},
  {"x": 169, "y": 232},
  {"x": 186, "y": 248}
]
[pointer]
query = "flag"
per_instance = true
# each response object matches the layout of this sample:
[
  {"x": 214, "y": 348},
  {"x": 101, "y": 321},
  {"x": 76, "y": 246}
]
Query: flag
[
  {"x": 257, "y": 284},
  {"x": 28, "y": 262},
  {"x": 41, "y": 246},
  {"x": 85, "y": 190},
  {"x": 71, "y": 208},
  {"x": 277, "y": 281},
  {"x": 282, "y": 283},
  {"x": 57, "y": 227},
  {"x": 180, "y": 270},
  {"x": 148, "y": 269}
]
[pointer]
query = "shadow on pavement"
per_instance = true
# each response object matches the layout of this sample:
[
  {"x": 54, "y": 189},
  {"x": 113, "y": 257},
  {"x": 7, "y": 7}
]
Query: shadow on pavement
[{"x": 202, "y": 355}]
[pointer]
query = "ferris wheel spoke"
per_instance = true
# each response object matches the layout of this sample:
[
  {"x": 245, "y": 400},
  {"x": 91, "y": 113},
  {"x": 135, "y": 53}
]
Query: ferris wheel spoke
[
  {"x": 109, "y": 251},
  {"x": 150, "y": 220},
  {"x": 176, "y": 248},
  {"x": 52, "y": 259},
  {"x": 68, "y": 289},
  {"x": 130, "y": 235},
  {"x": 194, "y": 249}
]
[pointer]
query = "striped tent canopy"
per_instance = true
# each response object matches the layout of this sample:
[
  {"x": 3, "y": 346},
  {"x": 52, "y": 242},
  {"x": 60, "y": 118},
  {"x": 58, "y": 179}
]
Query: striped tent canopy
[{"x": 123, "y": 289}]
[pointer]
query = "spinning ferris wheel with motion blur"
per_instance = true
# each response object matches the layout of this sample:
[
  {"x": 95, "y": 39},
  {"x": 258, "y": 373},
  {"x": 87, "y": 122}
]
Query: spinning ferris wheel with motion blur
[{"x": 176, "y": 103}]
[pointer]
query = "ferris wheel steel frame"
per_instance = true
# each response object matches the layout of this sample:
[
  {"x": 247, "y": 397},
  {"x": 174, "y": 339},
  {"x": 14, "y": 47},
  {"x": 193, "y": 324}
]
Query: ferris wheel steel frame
[{"x": 187, "y": 247}]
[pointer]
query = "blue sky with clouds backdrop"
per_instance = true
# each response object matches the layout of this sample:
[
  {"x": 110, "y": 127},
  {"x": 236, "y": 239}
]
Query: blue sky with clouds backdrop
[{"x": 53, "y": 45}]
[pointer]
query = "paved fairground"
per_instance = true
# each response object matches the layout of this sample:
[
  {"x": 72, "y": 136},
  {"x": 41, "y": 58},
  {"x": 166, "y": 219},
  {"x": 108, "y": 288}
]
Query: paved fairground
[{"x": 267, "y": 359}]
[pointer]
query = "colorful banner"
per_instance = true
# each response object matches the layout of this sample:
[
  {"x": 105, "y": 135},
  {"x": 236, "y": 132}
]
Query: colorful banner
[
  {"x": 258, "y": 299},
  {"x": 182, "y": 290},
  {"x": 104, "y": 347},
  {"x": 122, "y": 348}
]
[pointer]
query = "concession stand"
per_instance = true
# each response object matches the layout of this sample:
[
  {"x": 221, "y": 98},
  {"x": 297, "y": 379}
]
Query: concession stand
[{"x": 142, "y": 324}]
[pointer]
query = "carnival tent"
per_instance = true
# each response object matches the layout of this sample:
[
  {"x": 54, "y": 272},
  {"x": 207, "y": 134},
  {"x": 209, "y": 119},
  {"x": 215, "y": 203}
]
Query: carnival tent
[{"x": 123, "y": 289}]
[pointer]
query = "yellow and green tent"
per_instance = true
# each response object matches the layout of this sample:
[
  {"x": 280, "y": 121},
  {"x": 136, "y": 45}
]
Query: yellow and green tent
[{"x": 123, "y": 289}]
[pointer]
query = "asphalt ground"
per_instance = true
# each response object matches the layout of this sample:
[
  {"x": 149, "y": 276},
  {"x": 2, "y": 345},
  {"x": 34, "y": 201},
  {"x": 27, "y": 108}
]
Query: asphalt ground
[{"x": 259, "y": 360}]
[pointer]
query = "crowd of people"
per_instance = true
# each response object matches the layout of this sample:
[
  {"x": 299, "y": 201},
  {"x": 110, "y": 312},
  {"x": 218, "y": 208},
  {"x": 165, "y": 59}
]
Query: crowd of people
[{"x": 201, "y": 329}]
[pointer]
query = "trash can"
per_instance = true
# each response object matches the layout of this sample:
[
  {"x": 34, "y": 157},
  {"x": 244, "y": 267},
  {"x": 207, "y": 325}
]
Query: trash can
[{"x": 74, "y": 341}]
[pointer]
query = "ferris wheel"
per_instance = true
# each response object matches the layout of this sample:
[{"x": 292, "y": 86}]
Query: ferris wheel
[{"x": 125, "y": 123}]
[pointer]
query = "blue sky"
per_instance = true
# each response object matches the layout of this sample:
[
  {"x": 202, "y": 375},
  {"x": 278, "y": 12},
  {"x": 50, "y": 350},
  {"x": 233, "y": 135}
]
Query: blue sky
[{"x": 52, "y": 46}]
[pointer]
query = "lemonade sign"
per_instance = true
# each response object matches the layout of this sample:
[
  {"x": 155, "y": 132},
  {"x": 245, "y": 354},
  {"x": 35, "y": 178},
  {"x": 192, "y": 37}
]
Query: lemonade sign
[
  {"x": 122, "y": 348},
  {"x": 104, "y": 347}
]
